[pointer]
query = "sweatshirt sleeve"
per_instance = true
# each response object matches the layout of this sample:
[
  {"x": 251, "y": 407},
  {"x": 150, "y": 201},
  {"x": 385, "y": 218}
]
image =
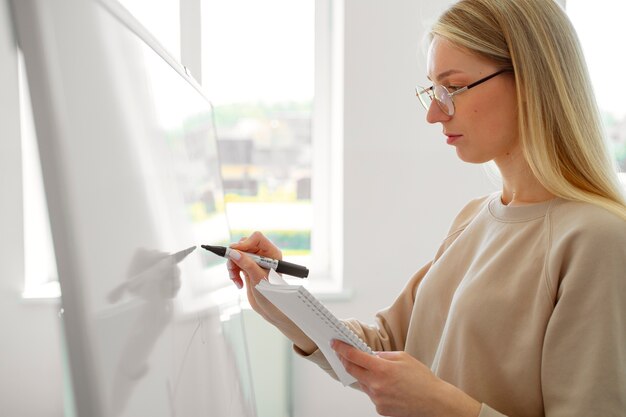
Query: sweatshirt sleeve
[
  {"x": 391, "y": 324},
  {"x": 389, "y": 332},
  {"x": 584, "y": 353}
]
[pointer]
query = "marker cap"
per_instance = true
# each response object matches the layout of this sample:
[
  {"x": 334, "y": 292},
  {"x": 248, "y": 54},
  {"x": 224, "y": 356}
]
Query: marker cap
[{"x": 292, "y": 269}]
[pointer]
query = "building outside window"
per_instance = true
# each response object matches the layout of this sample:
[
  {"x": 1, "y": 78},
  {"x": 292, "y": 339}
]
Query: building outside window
[{"x": 258, "y": 70}]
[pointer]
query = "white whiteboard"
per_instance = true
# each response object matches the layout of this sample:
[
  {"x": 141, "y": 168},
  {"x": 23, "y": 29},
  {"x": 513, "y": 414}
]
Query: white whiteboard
[{"x": 131, "y": 175}]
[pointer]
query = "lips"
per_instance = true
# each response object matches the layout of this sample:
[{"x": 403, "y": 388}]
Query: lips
[{"x": 452, "y": 137}]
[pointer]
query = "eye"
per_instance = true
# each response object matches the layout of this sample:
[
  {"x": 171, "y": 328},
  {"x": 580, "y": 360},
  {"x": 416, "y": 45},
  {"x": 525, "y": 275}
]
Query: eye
[{"x": 453, "y": 88}]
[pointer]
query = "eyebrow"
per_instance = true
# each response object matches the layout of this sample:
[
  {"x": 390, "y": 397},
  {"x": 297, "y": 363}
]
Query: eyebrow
[{"x": 445, "y": 74}]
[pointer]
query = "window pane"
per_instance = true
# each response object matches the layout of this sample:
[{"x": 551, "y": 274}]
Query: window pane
[
  {"x": 258, "y": 70},
  {"x": 600, "y": 26}
]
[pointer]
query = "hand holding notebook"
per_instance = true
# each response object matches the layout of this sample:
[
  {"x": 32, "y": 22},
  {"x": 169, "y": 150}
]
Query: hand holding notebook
[{"x": 315, "y": 320}]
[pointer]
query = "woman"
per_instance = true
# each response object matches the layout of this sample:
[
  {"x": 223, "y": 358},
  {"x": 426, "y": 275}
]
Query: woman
[{"x": 522, "y": 312}]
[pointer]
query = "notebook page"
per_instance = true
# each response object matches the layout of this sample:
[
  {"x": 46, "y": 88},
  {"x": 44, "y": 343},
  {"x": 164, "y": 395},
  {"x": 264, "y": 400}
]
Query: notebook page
[{"x": 295, "y": 302}]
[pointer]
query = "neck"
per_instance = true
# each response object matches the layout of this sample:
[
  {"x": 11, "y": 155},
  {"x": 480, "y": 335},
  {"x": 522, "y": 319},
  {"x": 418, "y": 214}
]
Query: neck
[
  {"x": 519, "y": 184},
  {"x": 512, "y": 197}
]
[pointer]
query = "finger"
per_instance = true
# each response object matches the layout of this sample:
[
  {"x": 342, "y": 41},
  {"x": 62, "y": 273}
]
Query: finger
[
  {"x": 259, "y": 244},
  {"x": 239, "y": 243},
  {"x": 248, "y": 266},
  {"x": 234, "y": 273},
  {"x": 248, "y": 244},
  {"x": 360, "y": 373},
  {"x": 237, "y": 281},
  {"x": 354, "y": 355},
  {"x": 250, "y": 290},
  {"x": 390, "y": 356}
]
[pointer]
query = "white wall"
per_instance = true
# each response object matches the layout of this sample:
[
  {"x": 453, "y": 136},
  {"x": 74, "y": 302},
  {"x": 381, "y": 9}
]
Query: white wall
[
  {"x": 30, "y": 359},
  {"x": 402, "y": 186},
  {"x": 402, "y": 183}
]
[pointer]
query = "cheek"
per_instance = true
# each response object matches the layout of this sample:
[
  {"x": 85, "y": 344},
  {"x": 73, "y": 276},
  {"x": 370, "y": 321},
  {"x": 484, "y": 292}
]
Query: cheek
[
  {"x": 506, "y": 119},
  {"x": 497, "y": 117}
]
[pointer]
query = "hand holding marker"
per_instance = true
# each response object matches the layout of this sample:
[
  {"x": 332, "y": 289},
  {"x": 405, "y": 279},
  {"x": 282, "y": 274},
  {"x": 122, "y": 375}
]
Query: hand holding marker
[{"x": 281, "y": 267}]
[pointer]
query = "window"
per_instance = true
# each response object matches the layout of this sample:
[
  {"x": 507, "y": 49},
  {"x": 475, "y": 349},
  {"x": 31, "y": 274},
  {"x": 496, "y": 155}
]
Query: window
[
  {"x": 599, "y": 24},
  {"x": 259, "y": 70},
  {"x": 266, "y": 72}
]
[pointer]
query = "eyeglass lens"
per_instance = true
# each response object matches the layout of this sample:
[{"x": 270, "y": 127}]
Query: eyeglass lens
[
  {"x": 440, "y": 95},
  {"x": 444, "y": 100}
]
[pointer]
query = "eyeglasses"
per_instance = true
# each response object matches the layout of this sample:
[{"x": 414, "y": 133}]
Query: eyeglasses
[{"x": 443, "y": 97}]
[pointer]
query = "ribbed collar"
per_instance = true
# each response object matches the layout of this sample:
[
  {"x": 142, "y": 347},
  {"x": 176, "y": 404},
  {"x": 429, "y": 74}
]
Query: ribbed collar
[{"x": 521, "y": 213}]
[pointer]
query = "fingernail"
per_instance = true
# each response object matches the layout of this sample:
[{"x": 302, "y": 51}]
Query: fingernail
[
  {"x": 233, "y": 254},
  {"x": 238, "y": 284}
]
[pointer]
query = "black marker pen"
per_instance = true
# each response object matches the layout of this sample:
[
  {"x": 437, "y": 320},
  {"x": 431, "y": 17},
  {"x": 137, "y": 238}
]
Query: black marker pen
[{"x": 281, "y": 267}]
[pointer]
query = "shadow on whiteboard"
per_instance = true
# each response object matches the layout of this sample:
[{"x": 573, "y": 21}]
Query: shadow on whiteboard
[{"x": 131, "y": 175}]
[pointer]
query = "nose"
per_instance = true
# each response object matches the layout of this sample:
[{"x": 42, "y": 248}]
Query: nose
[{"x": 435, "y": 114}]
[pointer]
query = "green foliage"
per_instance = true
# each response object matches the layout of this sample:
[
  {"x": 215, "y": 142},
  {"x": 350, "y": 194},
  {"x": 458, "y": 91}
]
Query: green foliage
[
  {"x": 291, "y": 242},
  {"x": 264, "y": 195}
]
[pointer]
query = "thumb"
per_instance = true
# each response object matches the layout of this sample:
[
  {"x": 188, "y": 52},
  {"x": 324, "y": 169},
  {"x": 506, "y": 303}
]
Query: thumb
[
  {"x": 247, "y": 265},
  {"x": 390, "y": 356}
]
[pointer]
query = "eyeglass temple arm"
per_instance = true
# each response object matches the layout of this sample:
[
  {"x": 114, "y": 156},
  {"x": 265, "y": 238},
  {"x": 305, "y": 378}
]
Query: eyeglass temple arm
[{"x": 475, "y": 83}]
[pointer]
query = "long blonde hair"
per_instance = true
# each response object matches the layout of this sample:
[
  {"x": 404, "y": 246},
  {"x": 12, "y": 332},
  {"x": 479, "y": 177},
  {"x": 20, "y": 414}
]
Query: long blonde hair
[{"x": 559, "y": 123}]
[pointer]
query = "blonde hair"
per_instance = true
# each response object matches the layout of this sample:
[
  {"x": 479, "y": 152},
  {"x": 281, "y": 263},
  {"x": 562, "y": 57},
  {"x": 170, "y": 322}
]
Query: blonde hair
[{"x": 559, "y": 123}]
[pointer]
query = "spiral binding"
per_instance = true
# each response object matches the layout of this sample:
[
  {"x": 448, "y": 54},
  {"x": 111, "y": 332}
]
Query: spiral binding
[{"x": 325, "y": 315}]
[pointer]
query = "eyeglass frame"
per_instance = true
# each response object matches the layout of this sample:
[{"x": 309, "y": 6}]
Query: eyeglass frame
[{"x": 430, "y": 91}]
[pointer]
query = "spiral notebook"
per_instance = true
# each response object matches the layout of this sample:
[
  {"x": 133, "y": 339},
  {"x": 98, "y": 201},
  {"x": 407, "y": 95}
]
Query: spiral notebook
[{"x": 315, "y": 320}]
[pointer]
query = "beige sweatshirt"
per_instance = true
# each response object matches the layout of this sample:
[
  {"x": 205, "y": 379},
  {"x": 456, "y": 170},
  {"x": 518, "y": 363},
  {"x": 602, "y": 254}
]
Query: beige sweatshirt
[{"x": 523, "y": 308}]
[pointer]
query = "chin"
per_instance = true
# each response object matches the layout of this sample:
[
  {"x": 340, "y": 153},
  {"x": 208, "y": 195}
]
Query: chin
[{"x": 470, "y": 158}]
